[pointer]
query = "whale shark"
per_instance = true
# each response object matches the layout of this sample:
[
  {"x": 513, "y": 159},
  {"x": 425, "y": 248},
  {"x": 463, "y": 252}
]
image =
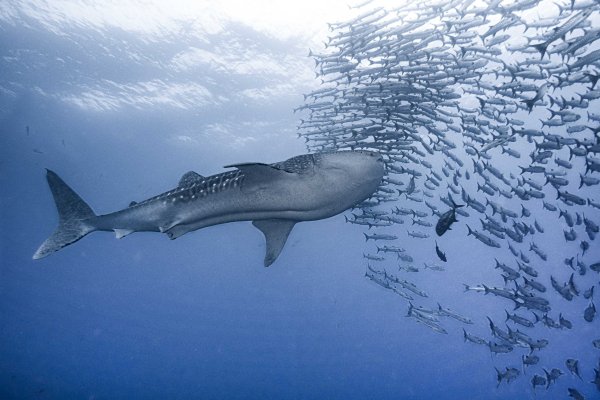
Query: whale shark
[{"x": 274, "y": 197}]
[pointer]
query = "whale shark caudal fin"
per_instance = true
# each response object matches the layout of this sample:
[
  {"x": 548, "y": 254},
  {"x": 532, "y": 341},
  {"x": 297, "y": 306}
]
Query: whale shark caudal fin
[
  {"x": 276, "y": 232},
  {"x": 72, "y": 215}
]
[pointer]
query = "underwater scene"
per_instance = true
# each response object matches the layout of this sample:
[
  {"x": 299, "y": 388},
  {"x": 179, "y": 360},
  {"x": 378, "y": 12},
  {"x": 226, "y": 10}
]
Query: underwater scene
[{"x": 313, "y": 200}]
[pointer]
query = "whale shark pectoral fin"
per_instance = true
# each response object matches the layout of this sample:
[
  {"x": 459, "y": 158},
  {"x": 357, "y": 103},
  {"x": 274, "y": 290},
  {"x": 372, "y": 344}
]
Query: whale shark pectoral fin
[
  {"x": 259, "y": 174},
  {"x": 276, "y": 232}
]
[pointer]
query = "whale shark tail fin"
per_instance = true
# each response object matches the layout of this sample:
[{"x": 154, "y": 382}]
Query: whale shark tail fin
[{"x": 73, "y": 217}]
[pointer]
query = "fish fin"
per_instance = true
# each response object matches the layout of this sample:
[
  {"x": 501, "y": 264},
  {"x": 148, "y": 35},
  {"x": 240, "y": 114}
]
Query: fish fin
[
  {"x": 470, "y": 232},
  {"x": 258, "y": 173},
  {"x": 73, "y": 217},
  {"x": 177, "y": 231},
  {"x": 168, "y": 227},
  {"x": 190, "y": 178},
  {"x": 121, "y": 233},
  {"x": 276, "y": 232}
]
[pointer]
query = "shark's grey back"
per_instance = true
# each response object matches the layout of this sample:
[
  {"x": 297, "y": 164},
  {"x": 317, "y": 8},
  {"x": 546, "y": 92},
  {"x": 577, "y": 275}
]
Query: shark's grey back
[{"x": 299, "y": 164}]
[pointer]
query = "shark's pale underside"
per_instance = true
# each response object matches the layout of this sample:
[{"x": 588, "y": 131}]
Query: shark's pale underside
[{"x": 273, "y": 196}]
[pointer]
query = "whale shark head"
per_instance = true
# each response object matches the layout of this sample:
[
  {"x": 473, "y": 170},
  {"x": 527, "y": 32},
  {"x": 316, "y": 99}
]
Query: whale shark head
[
  {"x": 362, "y": 165},
  {"x": 357, "y": 173}
]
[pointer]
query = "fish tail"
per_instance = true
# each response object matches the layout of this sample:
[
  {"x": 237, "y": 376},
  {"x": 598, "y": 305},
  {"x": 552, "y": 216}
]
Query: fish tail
[
  {"x": 529, "y": 103},
  {"x": 470, "y": 232},
  {"x": 481, "y": 102},
  {"x": 541, "y": 47},
  {"x": 73, "y": 217},
  {"x": 454, "y": 205},
  {"x": 366, "y": 237}
]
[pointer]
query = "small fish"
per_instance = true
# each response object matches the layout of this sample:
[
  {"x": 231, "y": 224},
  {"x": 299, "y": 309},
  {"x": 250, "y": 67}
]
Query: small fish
[
  {"x": 479, "y": 288},
  {"x": 563, "y": 322},
  {"x": 534, "y": 284},
  {"x": 404, "y": 257},
  {"x": 483, "y": 238},
  {"x": 590, "y": 312},
  {"x": 380, "y": 236},
  {"x": 572, "y": 287},
  {"x": 519, "y": 319},
  {"x": 552, "y": 375},
  {"x": 472, "y": 338},
  {"x": 372, "y": 257},
  {"x": 446, "y": 312},
  {"x": 573, "y": 366},
  {"x": 584, "y": 245},
  {"x": 419, "y": 235},
  {"x": 596, "y": 380},
  {"x": 538, "y": 380},
  {"x": 508, "y": 375},
  {"x": 440, "y": 254},
  {"x": 500, "y": 347},
  {"x": 574, "y": 393},
  {"x": 447, "y": 219},
  {"x": 434, "y": 267},
  {"x": 390, "y": 249},
  {"x": 530, "y": 359}
]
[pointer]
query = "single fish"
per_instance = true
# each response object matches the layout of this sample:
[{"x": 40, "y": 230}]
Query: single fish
[
  {"x": 447, "y": 219},
  {"x": 440, "y": 254}
]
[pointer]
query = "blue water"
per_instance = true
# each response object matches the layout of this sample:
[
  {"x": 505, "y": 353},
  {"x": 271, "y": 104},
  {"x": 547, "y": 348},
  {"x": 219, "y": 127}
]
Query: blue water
[{"x": 200, "y": 317}]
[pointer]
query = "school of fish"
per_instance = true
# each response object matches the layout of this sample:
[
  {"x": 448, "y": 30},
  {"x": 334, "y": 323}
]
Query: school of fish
[{"x": 487, "y": 114}]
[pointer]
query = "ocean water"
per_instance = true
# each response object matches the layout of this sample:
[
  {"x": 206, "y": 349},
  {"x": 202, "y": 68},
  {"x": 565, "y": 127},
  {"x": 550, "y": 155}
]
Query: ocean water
[{"x": 120, "y": 100}]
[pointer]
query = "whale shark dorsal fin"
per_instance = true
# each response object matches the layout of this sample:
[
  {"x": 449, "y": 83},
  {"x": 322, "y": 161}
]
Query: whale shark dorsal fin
[
  {"x": 256, "y": 173},
  {"x": 276, "y": 232},
  {"x": 189, "y": 178}
]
